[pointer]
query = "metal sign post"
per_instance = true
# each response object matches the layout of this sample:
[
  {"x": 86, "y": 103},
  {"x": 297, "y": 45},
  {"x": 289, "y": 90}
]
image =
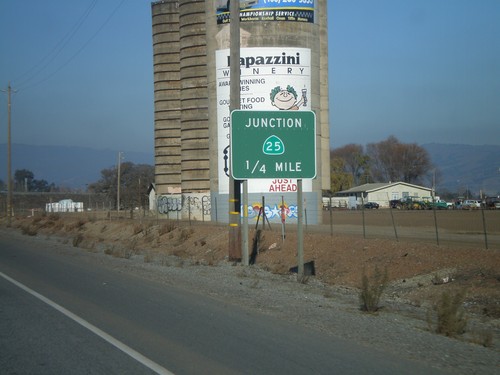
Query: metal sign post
[
  {"x": 275, "y": 144},
  {"x": 300, "y": 233}
]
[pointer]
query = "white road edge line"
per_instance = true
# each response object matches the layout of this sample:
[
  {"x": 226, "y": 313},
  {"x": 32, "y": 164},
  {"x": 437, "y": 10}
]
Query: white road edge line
[{"x": 116, "y": 343}]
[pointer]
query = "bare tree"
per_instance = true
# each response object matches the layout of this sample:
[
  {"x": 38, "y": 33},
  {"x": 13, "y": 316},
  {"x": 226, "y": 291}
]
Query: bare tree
[
  {"x": 392, "y": 160},
  {"x": 134, "y": 182}
]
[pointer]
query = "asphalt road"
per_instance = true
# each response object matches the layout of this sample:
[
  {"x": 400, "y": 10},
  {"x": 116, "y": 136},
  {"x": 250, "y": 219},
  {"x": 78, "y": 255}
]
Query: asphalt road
[{"x": 65, "y": 311}]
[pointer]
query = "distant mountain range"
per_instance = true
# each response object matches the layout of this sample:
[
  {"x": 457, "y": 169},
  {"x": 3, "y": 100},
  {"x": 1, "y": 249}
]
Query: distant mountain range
[
  {"x": 71, "y": 167},
  {"x": 466, "y": 167},
  {"x": 461, "y": 167}
]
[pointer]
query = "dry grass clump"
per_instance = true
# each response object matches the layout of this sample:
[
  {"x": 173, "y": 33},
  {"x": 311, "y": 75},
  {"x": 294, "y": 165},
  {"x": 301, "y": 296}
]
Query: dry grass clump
[
  {"x": 167, "y": 227},
  {"x": 29, "y": 230},
  {"x": 76, "y": 225},
  {"x": 483, "y": 338},
  {"x": 138, "y": 228},
  {"x": 53, "y": 217},
  {"x": 185, "y": 234},
  {"x": 372, "y": 289},
  {"x": 77, "y": 240},
  {"x": 37, "y": 219},
  {"x": 451, "y": 319},
  {"x": 119, "y": 252},
  {"x": 58, "y": 225},
  {"x": 149, "y": 256}
]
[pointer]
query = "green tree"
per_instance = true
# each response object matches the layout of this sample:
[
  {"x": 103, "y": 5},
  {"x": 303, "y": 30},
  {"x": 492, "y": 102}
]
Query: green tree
[
  {"x": 23, "y": 179},
  {"x": 340, "y": 179},
  {"x": 355, "y": 161},
  {"x": 41, "y": 186}
]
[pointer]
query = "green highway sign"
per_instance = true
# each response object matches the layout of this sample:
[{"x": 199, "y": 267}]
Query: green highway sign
[{"x": 273, "y": 144}]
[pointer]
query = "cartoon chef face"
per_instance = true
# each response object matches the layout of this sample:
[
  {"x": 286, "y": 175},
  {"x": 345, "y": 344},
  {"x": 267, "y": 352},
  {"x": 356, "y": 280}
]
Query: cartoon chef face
[{"x": 285, "y": 99}]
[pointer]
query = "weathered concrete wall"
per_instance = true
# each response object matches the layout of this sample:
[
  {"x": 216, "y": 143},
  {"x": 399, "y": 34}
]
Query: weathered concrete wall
[
  {"x": 167, "y": 85},
  {"x": 195, "y": 162}
]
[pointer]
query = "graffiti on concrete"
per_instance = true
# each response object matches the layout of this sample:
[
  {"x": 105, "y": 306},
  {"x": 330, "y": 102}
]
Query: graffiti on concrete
[
  {"x": 187, "y": 203},
  {"x": 206, "y": 205},
  {"x": 168, "y": 204},
  {"x": 273, "y": 212}
]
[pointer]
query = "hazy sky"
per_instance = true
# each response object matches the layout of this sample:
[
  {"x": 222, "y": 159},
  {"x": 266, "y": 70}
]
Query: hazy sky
[{"x": 422, "y": 70}]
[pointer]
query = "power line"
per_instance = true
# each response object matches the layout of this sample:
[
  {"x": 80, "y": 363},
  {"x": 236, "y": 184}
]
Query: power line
[
  {"x": 36, "y": 69},
  {"x": 92, "y": 37}
]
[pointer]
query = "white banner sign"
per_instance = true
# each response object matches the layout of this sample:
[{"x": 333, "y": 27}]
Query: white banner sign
[{"x": 271, "y": 79}]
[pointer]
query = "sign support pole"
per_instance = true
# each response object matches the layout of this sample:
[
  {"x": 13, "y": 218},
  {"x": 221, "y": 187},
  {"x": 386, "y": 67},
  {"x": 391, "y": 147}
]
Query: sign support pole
[
  {"x": 244, "y": 232},
  {"x": 234, "y": 103},
  {"x": 257, "y": 151},
  {"x": 282, "y": 212},
  {"x": 300, "y": 233}
]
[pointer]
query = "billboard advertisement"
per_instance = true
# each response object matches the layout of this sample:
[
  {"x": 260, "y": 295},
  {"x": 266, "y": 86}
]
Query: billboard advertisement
[
  {"x": 272, "y": 78},
  {"x": 268, "y": 10}
]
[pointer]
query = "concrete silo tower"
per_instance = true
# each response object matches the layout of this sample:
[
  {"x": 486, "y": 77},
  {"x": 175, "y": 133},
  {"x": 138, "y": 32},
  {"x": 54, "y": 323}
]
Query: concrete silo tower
[{"x": 283, "y": 48}]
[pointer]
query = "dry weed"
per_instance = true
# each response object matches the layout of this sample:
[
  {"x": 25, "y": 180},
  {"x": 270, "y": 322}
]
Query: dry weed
[
  {"x": 451, "y": 320},
  {"x": 483, "y": 337},
  {"x": 29, "y": 230},
  {"x": 167, "y": 227},
  {"x": 186, "y": 233},
  {"x": 149, "y": 257},
  {"x": 138, "y": 228},
  {"x": 77, "y": 240},
  {"x": 372, "y": 289}
]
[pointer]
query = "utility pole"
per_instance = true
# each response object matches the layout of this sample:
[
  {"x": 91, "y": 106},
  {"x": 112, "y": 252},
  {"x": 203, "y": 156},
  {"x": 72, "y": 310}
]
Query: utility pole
[
  {"x": 9, "y": 153},
  {"x": 234, "y": 103},
  {"x": 118, "y": 181}
]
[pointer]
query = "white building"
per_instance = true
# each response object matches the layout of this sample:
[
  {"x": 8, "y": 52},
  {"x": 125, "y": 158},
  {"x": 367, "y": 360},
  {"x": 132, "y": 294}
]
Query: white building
[
  {"x": 66, "y": 205},
  {"x": 383, "y": 193}
]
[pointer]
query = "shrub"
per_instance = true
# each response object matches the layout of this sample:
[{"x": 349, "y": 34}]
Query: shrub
[
  {"x": 185, "y": 234},
  {"x": 137, "y": 229},
  {"x": 483, "y": 337},
  {"x": 167, "y": 227},
  {"x": 119, "y": 252},
  {"x": 29, "y": 230},
  {"x": 77, "y": 240},
  {"x": 372, "y": 289},
  {"x": 76, "y": 225},
  {"x": 149, "y": 257},
  {"x": 451, "y": 320},
  {"x": 54, "y": 217},
  {"x": 109, "y": 250}
]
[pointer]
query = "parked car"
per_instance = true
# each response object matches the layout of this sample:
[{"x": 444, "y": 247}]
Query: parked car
[
  {"x": 492, "y": 203},
  {"x": 371, "y": 205},
  {"x": 395, "y": 203},
  {"x": 471, "y": 204},
  {"x": 440, "y": 205}
]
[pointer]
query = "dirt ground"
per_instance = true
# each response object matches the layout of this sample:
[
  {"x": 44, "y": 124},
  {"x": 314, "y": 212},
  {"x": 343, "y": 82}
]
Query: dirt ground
[{"x": 419, "y": 271}]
